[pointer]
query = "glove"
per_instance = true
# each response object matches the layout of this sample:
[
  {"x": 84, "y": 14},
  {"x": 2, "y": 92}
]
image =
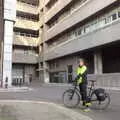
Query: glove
[{"x": 78, "y": 77}]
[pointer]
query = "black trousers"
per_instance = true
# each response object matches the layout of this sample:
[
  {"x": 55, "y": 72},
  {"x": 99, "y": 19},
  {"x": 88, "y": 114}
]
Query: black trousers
[{"x": 83, "y": 92}]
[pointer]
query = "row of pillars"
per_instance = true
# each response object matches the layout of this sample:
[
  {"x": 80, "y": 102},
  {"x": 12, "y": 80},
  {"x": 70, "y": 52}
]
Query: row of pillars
[{"x": 98, "y": 66}]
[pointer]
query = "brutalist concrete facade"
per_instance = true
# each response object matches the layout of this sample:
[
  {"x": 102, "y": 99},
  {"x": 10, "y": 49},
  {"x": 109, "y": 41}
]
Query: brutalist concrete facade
[
  {"x": 25, "y": 42},
  {"x": 84, "y": 28}
]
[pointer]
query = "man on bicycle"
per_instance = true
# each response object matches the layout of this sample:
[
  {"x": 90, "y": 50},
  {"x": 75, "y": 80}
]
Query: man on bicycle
[{"x": 82, "y": 81}]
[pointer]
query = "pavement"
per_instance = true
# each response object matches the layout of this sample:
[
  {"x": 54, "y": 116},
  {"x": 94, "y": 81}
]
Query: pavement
[
  {"x": 16, "y": 89},
  {"x": 32, "y": 110},
  {"x": 53, "y": 94}
]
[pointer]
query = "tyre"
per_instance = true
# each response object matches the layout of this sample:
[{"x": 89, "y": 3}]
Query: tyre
[
  {"x": 71, "y": 98},
  {"x": 100, "y": 105}
]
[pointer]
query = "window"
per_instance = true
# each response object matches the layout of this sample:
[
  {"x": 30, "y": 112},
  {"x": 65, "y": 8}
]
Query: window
[
  {"x": 93, "y": 26},
  {"x": 41, "y": 64},
  {"x": 101, "y": 23},
  {"x": 111, "y": 18},
  {"x": 79, "y": 31},
  {"x": 71, "y": 35},
  {"x": 114, "y": 16},
  {"x": 119, "y": 14},
  {"x": 108, "y": 20},
  {"x": 87, "y": 29}
]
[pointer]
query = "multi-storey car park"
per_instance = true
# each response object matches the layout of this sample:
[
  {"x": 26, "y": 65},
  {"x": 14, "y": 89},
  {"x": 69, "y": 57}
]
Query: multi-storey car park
[{"x": 70, "y": 29}]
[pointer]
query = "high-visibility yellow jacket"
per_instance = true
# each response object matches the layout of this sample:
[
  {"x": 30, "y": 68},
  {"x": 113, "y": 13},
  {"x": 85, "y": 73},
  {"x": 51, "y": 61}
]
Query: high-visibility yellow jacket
[{"x": 82, "y": 72}]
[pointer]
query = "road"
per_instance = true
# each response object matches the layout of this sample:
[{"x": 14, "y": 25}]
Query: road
[{"x": 54, "y": 93}]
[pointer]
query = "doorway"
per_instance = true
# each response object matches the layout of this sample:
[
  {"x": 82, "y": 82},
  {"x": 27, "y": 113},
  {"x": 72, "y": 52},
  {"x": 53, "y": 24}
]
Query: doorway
[{"x": 70, "y": 73}]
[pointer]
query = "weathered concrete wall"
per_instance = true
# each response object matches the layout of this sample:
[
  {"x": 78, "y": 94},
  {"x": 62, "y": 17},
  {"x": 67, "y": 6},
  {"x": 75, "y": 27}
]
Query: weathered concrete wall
[
  {"x": 29, "y": 70},
  {"x": 106, "y": 80},
  {"x": 55, "y": 9},
  {"x": 105, "y": 35},
  {"x": 84, "y": 12}
]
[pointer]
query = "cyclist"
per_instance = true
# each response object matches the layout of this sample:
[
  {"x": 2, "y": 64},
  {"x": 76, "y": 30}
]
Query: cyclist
[{"x": 82, "y": 82}]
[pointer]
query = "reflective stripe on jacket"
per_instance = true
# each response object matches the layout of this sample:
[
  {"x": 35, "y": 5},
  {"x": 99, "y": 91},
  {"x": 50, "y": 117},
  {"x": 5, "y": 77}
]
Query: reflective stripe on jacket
[{"x": 82, "y": 71}]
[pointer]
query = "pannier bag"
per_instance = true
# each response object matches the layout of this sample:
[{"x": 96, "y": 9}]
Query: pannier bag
[{"x": 100, "y": 93}]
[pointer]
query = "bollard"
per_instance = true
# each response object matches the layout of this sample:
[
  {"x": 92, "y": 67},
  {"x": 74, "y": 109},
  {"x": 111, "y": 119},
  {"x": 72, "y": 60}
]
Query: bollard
[{"x": 6, "y": 82}]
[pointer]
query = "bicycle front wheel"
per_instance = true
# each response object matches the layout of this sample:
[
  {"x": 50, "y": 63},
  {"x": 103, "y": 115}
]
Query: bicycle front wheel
[
  {"x": 100, "y": 105},
  {"x": 71, "y": 98}
]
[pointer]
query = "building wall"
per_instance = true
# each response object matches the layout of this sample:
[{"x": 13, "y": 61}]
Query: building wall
[
  {"x": 84, "y": 12},
  {"x": 61, "y": 65},
  {"x": 73, "y": 29},
  {"x": 24, "y": 72},
  {"x": 96, "y": 23},
  {"x": 26, "y": 39}
]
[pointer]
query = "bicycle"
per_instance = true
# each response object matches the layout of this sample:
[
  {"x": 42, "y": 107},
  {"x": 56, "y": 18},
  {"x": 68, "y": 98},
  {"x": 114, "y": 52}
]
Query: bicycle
[{"x": 99, "y": 100}]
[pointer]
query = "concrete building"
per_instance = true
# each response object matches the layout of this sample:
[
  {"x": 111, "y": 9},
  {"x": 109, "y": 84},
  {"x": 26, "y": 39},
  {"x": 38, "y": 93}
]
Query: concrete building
[
  {"x": 25, "y": 43},
  {"x": 80, "y": 28}
]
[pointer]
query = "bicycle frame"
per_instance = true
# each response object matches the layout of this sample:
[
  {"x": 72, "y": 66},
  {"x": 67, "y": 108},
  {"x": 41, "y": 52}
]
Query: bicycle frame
[
  {"x": 75, "y": 89},
  {"x": 91, "y": 89},
  {"x": 78, "y": 91}
]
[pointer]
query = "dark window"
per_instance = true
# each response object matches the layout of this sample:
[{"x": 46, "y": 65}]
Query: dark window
[
  {"x": 119, "y": 14},
  {"x": 114, "y": 16},
  {"x": 41, "y": 64},
  {"x": 70, "y": 71},
  {"x": 79, "y": 31}
]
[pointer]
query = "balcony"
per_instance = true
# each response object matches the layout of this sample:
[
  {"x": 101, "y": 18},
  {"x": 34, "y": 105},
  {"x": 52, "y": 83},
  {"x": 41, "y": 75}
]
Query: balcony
[
  {"x": 27, "y": 8},
  {"x": 56, "y": 8},
  {"x": 26, "y": 24},
  {"x": 25, "y": 41},
  {"x": 24, "y": 58},
  {"x": 105, "y": 35},
  {"x": 76, "y": 17}
]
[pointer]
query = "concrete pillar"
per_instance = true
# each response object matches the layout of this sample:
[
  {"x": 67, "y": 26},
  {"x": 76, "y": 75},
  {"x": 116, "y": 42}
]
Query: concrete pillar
[
  {"x": 46, "y": 73},
  {"x": 46, "y": 67},
  {"x": 7, "y": 54},
  {"x": 9, "y": 18},
  {"x": 98, "y": 65}
]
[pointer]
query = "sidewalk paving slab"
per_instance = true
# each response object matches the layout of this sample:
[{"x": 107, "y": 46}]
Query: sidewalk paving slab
[{"x": 37, "y": 110}]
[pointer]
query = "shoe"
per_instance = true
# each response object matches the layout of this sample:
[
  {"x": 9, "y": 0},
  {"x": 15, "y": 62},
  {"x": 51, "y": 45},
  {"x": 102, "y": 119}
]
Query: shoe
[
  {"x": 88, "y": 104},
  {"x": 87, "y": 110}
]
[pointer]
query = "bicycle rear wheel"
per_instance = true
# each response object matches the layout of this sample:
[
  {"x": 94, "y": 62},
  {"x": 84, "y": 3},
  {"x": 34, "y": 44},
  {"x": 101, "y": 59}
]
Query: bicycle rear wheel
[
  {"x": 71, "y": 98},
  {"x": 100, "y": 105}
]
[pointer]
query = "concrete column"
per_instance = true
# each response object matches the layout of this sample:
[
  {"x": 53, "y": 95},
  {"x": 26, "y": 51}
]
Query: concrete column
[
  {"x": 7, "y": 54},
  {"x": 9, "y": 18},
  {"x": 98, "y": 65},
  {"x": 46, "y": 66},
  {"x": 46, "y": 73}
]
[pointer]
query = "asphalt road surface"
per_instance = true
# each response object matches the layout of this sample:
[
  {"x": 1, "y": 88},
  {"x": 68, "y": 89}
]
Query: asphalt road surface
[{"x": 54, "y": 93}]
